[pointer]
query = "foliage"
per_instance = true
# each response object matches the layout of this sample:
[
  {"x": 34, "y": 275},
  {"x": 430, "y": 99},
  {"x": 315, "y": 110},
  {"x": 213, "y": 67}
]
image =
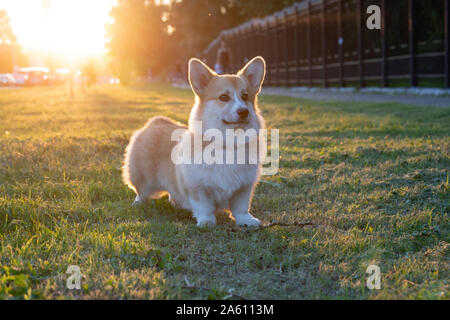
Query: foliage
[
  {"x": 6, "y": 34},
  {"x": 138, "y": 38},
  {"x": 7, "y": 39},
  {"x": 147, "y": 35}
]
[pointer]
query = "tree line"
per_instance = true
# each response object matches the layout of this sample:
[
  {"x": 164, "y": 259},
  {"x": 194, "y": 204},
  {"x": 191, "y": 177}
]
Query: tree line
[{"x": 152, "y": 36}]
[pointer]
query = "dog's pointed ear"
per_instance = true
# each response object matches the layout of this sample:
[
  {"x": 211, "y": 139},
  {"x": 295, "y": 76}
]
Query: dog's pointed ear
[
  {"x": 254, "y": 71},
  {"x": 199, "y": 75}
]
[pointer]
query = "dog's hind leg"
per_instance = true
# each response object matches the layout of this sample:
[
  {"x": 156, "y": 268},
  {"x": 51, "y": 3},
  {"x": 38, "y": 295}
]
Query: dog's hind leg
[
  {"x": 137, "y": 201},
  {"x": 173, "y": 203},
  {"x": 144, "y": 192}
]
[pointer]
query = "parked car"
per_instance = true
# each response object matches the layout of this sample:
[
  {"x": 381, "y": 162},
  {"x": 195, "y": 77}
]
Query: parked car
[
  {"x": 20, "y": 78},
  {"x": 32, "y": 76},
  {"x": 7, "y": 79}
]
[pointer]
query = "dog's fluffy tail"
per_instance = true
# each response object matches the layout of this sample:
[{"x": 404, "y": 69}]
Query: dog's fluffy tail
[{"x": 126, "y": 168}]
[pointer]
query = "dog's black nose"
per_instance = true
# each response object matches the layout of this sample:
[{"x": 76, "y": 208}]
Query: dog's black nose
[{"x": 243, "y": 113}]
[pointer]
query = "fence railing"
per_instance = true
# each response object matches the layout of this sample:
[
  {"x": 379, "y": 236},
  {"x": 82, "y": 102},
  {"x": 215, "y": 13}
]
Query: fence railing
[{"x": 327, "y": 43}]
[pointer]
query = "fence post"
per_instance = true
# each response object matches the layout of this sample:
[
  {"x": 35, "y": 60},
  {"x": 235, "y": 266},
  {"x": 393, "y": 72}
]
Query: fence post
[
  {"x": 240, "y": 47},
  {"x": 230, "y": 43},
  {"x": 412, "y": 43},
  {"x": 247, "y": 43},
  {"x": 296, "y": 51},
  {"x": 285, "y": 47},
  {"x": 447, "y": 43},
  {"x": 276, "y": 56},
  {"x": 267, "y": 49},
  {"x": 360, "y": 31},
  {"x": 383, "y": 45},
  {"x": 256, "y": 32},
  {"x": 237, "y": 42},
  {"x": 253, "y": 40},
  {"x": 236, "y": 46},
  {"x": 244, "y": 45},
  {"x": 252, "y": 33},
  {"x": 261, "y": 47},
  {"x": 324, "y": 46},
  {"x": 340, "y": 44},
  {"x": 309, "y": 45}
]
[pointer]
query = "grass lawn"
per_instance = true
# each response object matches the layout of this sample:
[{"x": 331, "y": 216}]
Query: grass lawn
[{"x": 372, "y": 178}]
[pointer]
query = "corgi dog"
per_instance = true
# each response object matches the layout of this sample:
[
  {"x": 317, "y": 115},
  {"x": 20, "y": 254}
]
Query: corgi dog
[{"x": 223, "y": 102}]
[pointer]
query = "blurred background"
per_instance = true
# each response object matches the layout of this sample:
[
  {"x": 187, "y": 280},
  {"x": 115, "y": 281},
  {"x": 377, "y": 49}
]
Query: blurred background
[{"x": 306, "y": 43}]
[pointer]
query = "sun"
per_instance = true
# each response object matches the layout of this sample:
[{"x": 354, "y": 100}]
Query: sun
[{"x": 72, "y": 28}]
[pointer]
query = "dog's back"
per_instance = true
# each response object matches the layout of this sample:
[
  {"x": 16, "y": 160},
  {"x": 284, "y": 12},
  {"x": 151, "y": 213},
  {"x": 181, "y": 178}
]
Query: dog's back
[{"x": 147, "y": 164}]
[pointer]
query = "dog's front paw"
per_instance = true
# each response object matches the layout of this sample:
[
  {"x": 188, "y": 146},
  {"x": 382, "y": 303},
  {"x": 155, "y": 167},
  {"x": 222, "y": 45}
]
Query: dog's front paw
[
  {"x": 206, "y": 221},
  {"x": 247, "y": 220}
]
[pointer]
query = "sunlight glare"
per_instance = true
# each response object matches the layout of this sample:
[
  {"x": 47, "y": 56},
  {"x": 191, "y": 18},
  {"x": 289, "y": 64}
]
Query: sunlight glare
[{"x": 73, "y": 28}]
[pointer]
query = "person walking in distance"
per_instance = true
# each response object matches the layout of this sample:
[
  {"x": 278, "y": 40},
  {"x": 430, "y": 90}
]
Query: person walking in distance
[{"x": 223, "y": 61}]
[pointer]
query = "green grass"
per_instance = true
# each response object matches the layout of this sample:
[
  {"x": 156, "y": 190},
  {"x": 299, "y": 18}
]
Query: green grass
[{"x": 372, "y": 178}]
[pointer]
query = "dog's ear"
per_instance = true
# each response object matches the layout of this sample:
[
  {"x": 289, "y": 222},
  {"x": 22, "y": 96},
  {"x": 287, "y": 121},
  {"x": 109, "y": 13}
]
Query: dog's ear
[
  {"x": 199, "y": 75},
  {"x": 255, "y": 71}
]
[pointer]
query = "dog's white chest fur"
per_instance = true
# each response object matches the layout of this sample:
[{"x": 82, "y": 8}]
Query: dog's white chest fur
[{"x": 220, "y": 181}]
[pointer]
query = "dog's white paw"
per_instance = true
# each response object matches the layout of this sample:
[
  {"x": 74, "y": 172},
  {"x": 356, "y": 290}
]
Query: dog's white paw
[
  {"x": 247, "y": 220},
  {"x": 137, "y": 201},
  {"x": 173, "y": 203},
  {"x": 206, "y": 221}
]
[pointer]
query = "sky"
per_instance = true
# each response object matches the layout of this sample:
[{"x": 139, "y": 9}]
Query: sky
[{"x": 73, "y": 28}]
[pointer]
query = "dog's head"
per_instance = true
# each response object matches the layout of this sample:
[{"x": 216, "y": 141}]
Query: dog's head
[{"x": 227, "y": 101}]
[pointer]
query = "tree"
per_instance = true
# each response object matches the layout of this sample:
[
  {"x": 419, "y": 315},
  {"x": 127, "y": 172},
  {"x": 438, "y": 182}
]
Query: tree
[
  {"x": 6, "y": 33},
  {"x": 138, "y": 39},
  {"x": 7, "y": 43},
  {"x": 148, "y": 35},
  {"x": 198, "y": 22}
]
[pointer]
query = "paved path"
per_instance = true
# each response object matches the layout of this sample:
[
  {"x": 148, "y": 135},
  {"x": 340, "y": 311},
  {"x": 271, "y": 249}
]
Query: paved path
[{"x": 355, "y": 96}]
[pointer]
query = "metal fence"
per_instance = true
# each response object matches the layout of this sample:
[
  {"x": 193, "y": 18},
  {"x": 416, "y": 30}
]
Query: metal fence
[{"x": 327, "y": 43}]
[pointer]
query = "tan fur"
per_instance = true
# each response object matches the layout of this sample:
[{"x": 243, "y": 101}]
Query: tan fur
[
  {"x": 149, "y": 170},
  {"x": 143, "y": 165}
]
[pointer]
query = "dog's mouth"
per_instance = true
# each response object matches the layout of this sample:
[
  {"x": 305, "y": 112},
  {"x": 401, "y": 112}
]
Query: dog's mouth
[{"x": 235, "y": 122}]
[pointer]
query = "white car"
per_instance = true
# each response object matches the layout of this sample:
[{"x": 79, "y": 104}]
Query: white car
[{"x": 7, "y": 79}]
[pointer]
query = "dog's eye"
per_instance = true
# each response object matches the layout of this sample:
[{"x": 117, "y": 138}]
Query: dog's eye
[
  {"x": 244, "y": 97},
  {"x": 224, "y": 97}
]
